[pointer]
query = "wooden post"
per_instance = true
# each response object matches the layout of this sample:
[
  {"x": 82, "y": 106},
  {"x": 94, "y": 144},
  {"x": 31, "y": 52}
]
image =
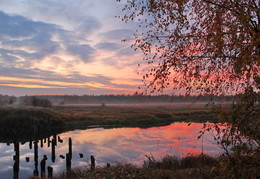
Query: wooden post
[
  {"x": 53, "y": 150},
  {"x": 16, "y": 160},
  {"x": 80, "y": 155},
  {"x": 50, "y": 172},
  {"x": 41, "y": 143},
  {"x": 49, "y": 141},
  {"x": 93, "y": 165},
  {"x": 70, "y": 148},
  {"x": 43, "y": 166},
  {"x": 68, "y": 164},
  {"x": 30, "y": 144},
  {"x": 36, "y": 172},
  {"x": 108, "y": 165},
  {"x": 55, "y": 139}
]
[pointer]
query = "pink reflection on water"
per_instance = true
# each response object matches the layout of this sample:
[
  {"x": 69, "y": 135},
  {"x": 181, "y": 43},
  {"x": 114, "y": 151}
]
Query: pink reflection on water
[
  {"x": 110, "y": 146},
  {"x": 132, "y": 144}
]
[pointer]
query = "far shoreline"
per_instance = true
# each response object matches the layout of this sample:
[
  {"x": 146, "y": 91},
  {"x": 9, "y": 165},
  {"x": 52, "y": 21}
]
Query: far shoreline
[{"x": 24, "y": 123}]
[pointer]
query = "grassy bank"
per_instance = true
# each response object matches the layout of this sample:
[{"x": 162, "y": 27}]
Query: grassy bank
[
  {"x": 20, "y": 123},
  {"x": 24, "y": 124},
  {"x": 169, "y": 167}
]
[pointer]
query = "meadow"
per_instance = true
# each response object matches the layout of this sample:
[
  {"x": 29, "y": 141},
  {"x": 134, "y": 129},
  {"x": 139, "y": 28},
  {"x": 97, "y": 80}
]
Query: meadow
[
  {"x": 22, "y": 122},
  {"x": 133, "y": 115}
]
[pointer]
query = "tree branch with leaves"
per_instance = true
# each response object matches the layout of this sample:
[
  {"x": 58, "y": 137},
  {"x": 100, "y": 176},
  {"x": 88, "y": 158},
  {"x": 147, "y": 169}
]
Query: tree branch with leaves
[
  {"x": 214, "y": 45},
  {"x": 206, "y": 47}
]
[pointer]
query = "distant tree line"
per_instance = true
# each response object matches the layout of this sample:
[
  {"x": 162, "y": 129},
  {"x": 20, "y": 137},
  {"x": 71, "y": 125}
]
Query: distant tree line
[
  {"x": 7, "y": 100},
  {"x": 120, "y": 99},
  {"x": 35, "y": 101},
  {"x": 48, "y": 100}
]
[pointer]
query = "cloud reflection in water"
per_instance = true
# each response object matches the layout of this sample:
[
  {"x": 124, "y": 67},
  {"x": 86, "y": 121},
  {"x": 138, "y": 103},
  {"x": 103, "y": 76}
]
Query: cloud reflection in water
[{"x": 112, "y": 145}]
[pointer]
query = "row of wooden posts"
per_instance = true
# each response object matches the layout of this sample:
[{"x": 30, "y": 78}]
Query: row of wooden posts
[
  {"x": 68, "y": 163},
  {"x": 68, "y": 167},
  {"x": 43, "y": 161}
]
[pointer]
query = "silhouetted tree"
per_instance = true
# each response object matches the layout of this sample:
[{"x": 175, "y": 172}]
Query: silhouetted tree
[{"x": 207, "y": 47}]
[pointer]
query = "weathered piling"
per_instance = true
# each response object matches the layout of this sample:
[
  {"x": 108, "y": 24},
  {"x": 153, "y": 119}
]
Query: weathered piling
[
  {"x": 108, "y": 165},
  {"x": 93, "y": 164},
  {"x": 80, "y": 155},
  {"x": 50, "y": 172},
  {"x": 70, "y": 147},
  {"x": 45, "y": 157},
  {"x": 49, "y": 141},
  {"x": 68, "y": 164},
  {"x": 16, "y": 160},
  {"x": 41, "y": 143},
  {"x": 43, "y": 166},
  {"x": 30, "y": 144},
  {"x": 55, "y": 139},
  {"x": 35, "y": 172},
  {"x": 53, "y": 150}
]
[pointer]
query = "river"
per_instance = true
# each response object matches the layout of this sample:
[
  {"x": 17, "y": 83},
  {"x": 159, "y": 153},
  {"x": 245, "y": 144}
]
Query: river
[{"x": 106, "y": 145}]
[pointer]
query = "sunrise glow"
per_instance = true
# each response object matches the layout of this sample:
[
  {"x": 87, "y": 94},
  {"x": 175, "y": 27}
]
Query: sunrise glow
[{"x": 77, "y": 50}]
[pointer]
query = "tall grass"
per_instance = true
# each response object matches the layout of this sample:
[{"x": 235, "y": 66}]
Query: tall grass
[{"x": 169, "y": 167}]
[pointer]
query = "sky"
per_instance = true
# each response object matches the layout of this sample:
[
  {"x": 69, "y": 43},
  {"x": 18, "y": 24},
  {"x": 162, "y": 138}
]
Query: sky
[{"x": 69, "y": 47}]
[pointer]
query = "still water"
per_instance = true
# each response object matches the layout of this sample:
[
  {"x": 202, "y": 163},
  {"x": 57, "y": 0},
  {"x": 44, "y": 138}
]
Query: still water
[{"x": 106, "y": 145}]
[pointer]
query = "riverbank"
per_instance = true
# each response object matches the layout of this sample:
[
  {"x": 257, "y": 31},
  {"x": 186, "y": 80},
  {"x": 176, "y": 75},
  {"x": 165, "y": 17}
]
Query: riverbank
[
  {"x": 169, "y": 167},
  {"x": 21, "y": 123}
]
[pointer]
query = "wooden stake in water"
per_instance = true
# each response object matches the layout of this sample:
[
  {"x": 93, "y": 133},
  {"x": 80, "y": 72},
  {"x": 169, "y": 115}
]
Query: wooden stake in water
[
  {"x": 49, "y": 141},
  {"x": 108, "y": 165},
  {"x": 36, "y": 172},
  {"x": 43, "y": 166},
  {"x": 70, "y": 148},
  {"x": 93, "y": 165},
  {"x": 55, "y": 139},
  {"x": 53, "y": 150},
  {"x": 68, "y": 164},
  {"x": 16, "y": 160},
  {"x": 41, "y": 143},
  {"x": 30, "y": 144},
  {"x": 50, "y": 172}
]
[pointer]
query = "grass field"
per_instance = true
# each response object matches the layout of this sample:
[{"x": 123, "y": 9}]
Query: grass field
[{"x": 133, "y": 114}]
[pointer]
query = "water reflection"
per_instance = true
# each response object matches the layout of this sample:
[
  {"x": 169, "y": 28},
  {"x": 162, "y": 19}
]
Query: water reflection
[{"x": 74, "y": 148}]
